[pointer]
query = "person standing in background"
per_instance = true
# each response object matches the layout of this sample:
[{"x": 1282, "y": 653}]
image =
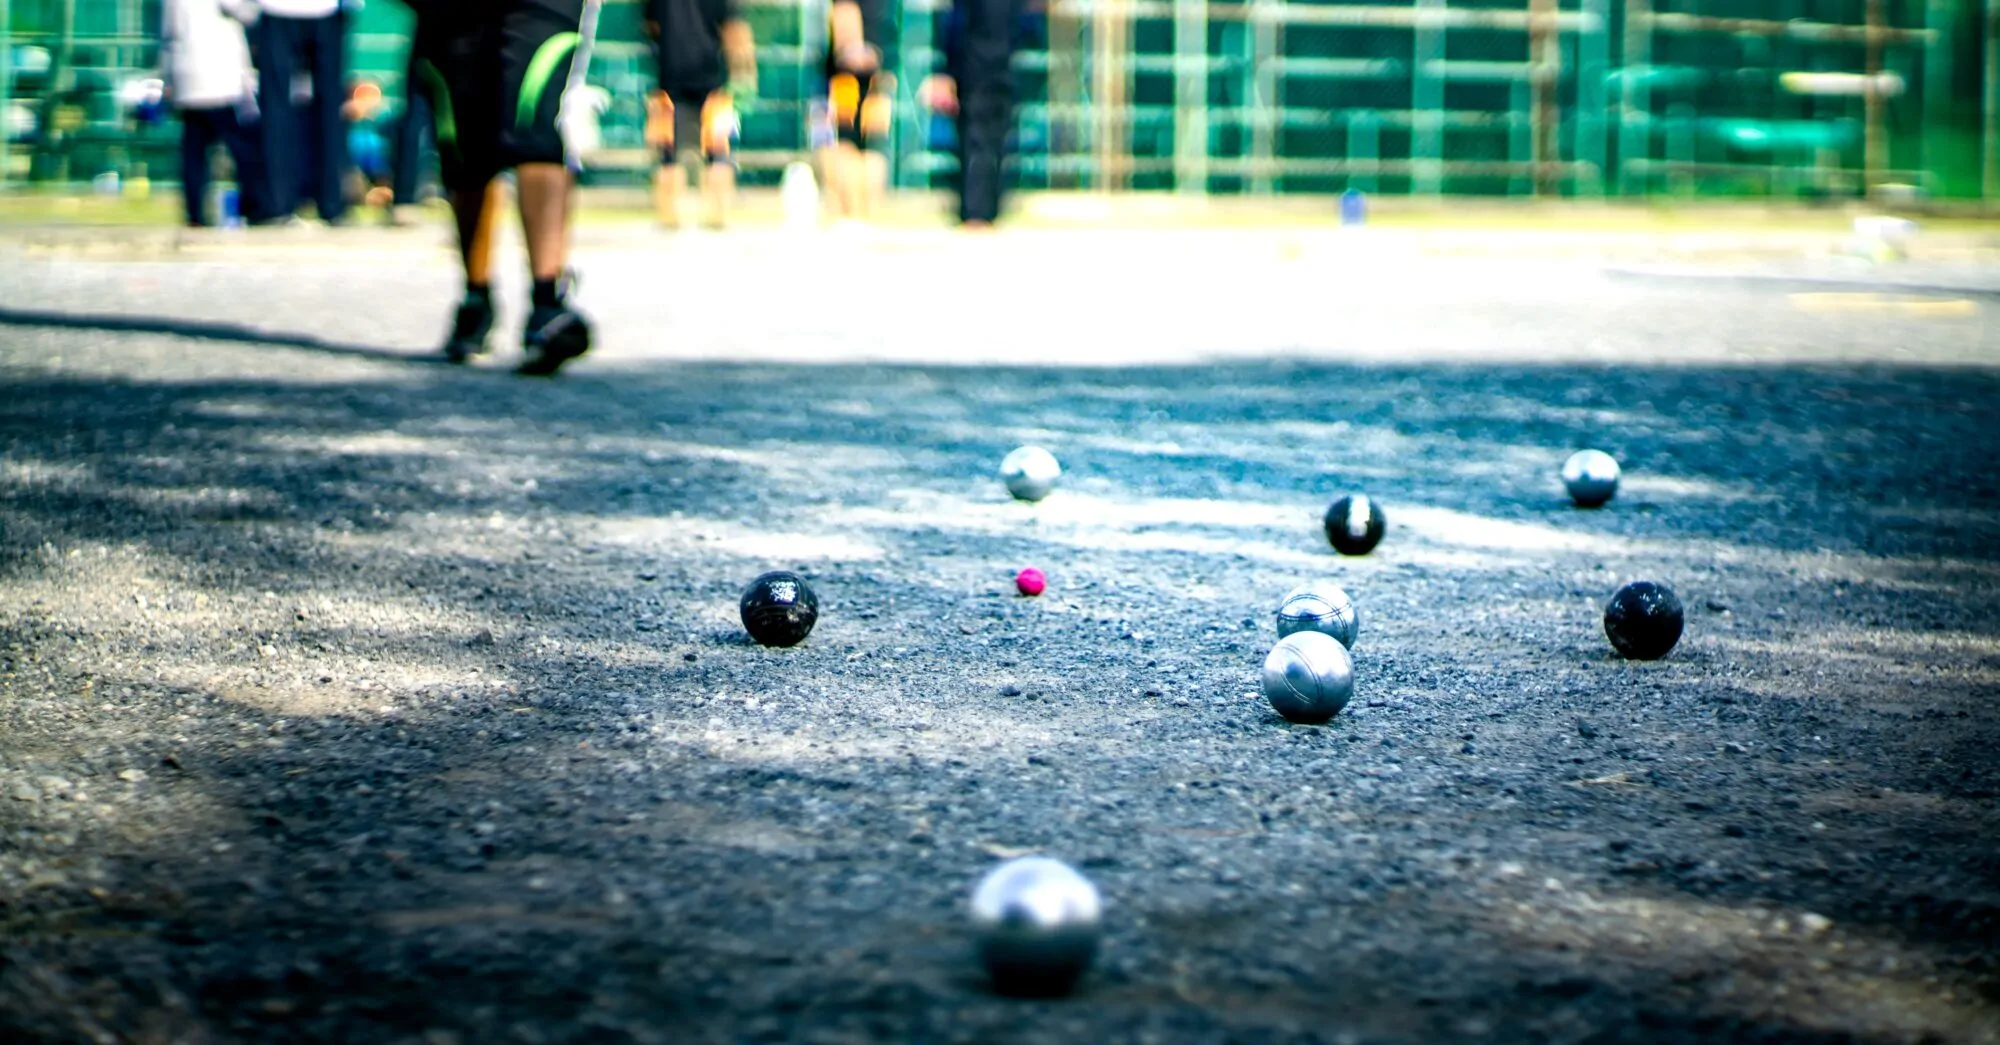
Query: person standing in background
[
  {"x": 499, "y": 75},
  {"x": 414, "y": 137},
  {"x": 978, "y": 38},
  {"x": 860, "y": 101},
  {"x": 305, "y": 145},
  {"x": 707, "y": 60},
  {"x": 206, "y": 62}
]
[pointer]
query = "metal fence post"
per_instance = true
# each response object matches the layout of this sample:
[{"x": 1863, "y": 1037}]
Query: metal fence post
[
  {"x": 1545, "y": 118},
  {"x": 1191, "y": 96},
  {"x": 1266, "y": 54},
  {"x": 1874, "y": 132},
  {"x": 1427, "y": 98},
  {"x": 1593, "y": 47},
  {"x": 1937, "y": 85},
  {"x": 6, "y": 89},
  {"x": 1634, "y": 107},
  {"x": 1989, "y": 182}
]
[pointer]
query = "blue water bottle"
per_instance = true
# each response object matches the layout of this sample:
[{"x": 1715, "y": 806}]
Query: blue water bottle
[
  {"x": 232, "y": 210},
  {"x": 1353, "y": 207}
]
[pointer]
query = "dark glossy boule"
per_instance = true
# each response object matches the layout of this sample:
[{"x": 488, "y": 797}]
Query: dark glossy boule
[
  {"x": 779, "y": 609},
  {"x": 1354, "y": 525},
  {"x": 1643, "y": 620}
]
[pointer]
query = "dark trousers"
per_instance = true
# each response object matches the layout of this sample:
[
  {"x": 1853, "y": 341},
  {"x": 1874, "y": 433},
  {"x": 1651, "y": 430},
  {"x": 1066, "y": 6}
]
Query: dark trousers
[
  {"x": 201, "y": 131},
  {"x": 412, "y": 133},
  {"x": 985, "y": 79},
  {"x": 305, "y": 146}
]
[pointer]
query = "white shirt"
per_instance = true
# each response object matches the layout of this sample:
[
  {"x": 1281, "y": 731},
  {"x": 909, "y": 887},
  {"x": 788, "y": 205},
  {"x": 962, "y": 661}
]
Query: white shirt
[
  {"x": 299, "y": 8},
  {"x": 203, "y": 53}
]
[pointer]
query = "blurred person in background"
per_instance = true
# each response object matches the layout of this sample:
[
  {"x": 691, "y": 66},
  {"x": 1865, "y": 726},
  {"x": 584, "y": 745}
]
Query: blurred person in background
[
  {"x": 707, "y": 60},
  {"x": 368, "y": 131},
  {"x": 302, "y": 78},
  {"x": 978, "y": 38},
  {"x": 852, "y": 122},
  {"x": 414, "y": 138},
  {"x": 498, "y": 75},
  {"x": 211, "y": 84}
]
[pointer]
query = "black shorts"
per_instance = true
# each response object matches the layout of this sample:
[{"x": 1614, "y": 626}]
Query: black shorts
[
  {"x": 495, "y": 74},
  {"x": 688, "y": 106}
]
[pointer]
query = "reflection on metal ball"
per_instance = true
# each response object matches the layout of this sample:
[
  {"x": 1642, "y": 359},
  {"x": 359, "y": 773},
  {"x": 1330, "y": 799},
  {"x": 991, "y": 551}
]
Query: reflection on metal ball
[
  {"x": 1308, "y": 677},
  {"x": 1322, "y": 607},
  {"x": 1030, "y": 473},
  {"x": 1037, "y": 921},
  {"x": 1591, "y": 476}
]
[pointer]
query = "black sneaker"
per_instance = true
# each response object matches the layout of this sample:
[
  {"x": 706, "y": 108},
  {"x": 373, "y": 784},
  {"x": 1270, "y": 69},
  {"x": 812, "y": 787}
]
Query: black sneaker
[
  {"x": 556, "y": 335},
  {"x": 469, "y": 329}
]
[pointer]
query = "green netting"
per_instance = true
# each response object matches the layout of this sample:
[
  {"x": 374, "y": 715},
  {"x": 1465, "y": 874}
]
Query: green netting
[{"x": 1514, "y": 97}]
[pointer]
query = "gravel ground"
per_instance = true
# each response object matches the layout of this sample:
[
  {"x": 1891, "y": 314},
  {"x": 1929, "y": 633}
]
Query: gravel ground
[{"x": 345, "y": 697}]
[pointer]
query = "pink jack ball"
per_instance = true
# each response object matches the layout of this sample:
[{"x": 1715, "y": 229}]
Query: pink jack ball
[{"x": 1030, "y": 581}]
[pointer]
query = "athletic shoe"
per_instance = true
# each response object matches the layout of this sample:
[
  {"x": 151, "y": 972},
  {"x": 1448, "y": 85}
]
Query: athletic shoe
[
  {"x": 555, "y": 336},
  {"x": 469, "y": 329}
]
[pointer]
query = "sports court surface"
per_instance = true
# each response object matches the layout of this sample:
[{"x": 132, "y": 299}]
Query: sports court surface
[{"x": 345, "y": 695}]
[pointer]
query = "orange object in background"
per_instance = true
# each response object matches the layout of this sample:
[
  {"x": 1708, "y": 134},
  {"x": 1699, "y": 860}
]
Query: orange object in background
[{"x": 844, "y": 92}]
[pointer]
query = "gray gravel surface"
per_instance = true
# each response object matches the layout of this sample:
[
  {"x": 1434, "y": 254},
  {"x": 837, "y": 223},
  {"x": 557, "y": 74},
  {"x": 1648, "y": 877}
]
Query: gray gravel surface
[{"x": 349, "y": 697}]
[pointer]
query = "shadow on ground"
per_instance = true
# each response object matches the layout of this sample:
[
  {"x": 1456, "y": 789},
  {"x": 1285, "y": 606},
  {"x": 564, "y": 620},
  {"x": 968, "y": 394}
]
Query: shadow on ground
[{"x": 411, "y": 706}]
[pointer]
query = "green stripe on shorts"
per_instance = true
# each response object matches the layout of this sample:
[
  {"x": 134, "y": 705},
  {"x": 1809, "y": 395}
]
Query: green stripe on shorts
[
  {"x": 446, "y": 122},
  {"x": 540, "y": 68}
]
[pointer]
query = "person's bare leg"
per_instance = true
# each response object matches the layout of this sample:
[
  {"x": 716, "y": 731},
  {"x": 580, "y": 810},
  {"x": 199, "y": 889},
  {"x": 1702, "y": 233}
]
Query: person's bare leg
[
  {"x": 874, "y": 177},
  {"x": 829, "y": 179},
  {"x": 478, "y": 215},
  {"x": 669, "y": 182},
  {"x": 545, "y": 190},
  {"x": 852, "y": 187},
  {"x": 718, "y": 185},
  {"x": 556, "y": 332},
  {"x": 477, "y": 212}
]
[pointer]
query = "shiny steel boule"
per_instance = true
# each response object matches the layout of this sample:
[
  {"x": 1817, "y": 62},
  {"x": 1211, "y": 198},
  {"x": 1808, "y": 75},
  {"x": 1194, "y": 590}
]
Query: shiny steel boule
[
  {"x": 1030, "y": 473},
  {"x": 1308, "y": 677},
  {"x": 1591, "y": 476},
  {"x": 1037, "y": 921},
  {"x": 1322, "y": 607}
]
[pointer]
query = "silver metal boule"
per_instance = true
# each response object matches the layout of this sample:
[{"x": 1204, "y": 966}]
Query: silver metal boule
[
  {"x": 1319, "y": 606},
  {"x": 1037, "y": 921},
  {"x": 1308, "y": 677},
  {"x": 1030, "y": 473},
  {"x": 1591, "y": 476}
]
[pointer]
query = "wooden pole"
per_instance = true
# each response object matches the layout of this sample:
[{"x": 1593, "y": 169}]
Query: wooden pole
[{"x": 1109, "y": 72}]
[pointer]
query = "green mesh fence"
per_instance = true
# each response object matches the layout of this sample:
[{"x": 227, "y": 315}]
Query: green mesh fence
[{"x": 1788, "y": 98}]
